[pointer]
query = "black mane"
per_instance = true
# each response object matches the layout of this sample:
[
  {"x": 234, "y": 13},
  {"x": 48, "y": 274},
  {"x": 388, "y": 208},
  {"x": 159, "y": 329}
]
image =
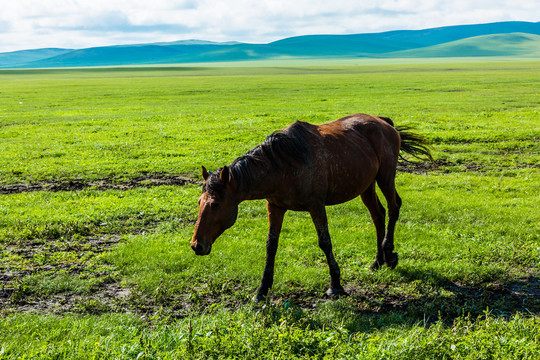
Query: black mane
[{"x": 280, "y": 151}]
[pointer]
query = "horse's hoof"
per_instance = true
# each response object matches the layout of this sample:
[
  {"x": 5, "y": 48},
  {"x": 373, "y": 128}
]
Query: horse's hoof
[
  {"x": 391, "y": 260},
  {"x": 374, "y": 266},
  {"x": 259, "y": 298},
  {"x": 335, "y": 292}
]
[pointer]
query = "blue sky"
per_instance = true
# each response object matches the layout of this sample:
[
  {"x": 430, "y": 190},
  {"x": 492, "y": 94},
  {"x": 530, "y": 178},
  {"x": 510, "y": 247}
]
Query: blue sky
[{"x": 30, "y": 24}]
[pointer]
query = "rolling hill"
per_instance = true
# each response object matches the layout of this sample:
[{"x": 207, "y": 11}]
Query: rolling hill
[
  {"x": 27, "y": 56},
  {"x": 513, "y": 44},
  {"x": 494, "y": 39}
]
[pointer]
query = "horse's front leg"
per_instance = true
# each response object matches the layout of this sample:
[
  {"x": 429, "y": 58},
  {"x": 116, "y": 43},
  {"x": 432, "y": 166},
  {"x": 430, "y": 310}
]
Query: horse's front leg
[
  {"x": 318, "y": 215},
  {"x": 275, "y": 221}
]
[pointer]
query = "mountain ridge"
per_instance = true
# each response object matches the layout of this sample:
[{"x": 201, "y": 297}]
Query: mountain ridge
[{"x": 513, "y": 39}]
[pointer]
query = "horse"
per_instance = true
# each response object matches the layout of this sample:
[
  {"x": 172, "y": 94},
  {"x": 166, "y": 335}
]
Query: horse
[{"x": 306, "y": 167}]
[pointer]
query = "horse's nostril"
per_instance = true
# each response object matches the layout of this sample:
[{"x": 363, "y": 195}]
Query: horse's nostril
[{"x": 197, "y": 248}]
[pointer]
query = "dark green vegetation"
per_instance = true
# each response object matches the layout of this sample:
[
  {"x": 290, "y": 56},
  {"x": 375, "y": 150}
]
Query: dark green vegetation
[
  {"x": 495, "y": 39},
  {"x": 99, "y": 186}
]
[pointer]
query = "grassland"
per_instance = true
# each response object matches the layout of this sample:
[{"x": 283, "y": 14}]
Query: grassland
[{"x": 98, "y": 189}]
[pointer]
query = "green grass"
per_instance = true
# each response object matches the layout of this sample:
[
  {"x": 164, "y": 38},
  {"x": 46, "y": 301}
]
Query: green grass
[
  {"x": 103, "y": 268},
  {"x": 270, "y": 333},
  {"x": 79, "y": 123}
]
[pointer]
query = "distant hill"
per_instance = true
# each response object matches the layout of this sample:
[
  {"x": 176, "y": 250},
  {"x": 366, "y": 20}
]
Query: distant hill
[
  {"x": 513, "y": 44},
  {"x": 494, "y": 39},
  {"x": 17, "y": 58}
]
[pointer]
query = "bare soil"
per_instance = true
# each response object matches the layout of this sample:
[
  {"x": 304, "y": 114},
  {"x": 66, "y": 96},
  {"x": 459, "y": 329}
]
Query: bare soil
[
  {"x": 15, "y": 296},
  {"x": 147, "y": 180},
  {"x": 419, "y": 167}
]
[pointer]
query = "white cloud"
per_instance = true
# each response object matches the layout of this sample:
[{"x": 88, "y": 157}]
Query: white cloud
[{"x": 28, "y": 24}]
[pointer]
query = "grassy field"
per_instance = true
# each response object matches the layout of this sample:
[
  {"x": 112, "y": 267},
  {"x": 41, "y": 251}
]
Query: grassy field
[{"x": 99, "y": 180}]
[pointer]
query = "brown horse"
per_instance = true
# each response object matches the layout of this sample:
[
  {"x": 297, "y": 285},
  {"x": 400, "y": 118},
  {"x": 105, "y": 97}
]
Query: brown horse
[{"x": 306, "y": 167}]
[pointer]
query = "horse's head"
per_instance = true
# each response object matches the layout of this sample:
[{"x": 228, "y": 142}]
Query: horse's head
[{"x": 218, "y": 208}]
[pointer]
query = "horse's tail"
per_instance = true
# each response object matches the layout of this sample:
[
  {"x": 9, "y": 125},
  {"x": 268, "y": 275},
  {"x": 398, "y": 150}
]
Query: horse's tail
[{"x": 411, "y": 143}]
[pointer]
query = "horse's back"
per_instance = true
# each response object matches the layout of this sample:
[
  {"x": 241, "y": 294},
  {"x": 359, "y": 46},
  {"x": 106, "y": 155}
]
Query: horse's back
[
  {"x": 360, "y": 133},
  {"x": 351, "y": 151},
  {"x": 371, "y": 127},
  {"x": 343, "y": 159}
]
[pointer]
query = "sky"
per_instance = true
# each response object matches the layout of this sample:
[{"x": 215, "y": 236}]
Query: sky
[{"x": 75, "y": 24}]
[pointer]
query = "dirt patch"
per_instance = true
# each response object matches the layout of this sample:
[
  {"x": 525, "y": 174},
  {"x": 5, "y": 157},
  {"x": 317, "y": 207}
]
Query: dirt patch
[
  {"x": 29, "y": 267},
  {"x": 147, "y": 180},
  {"x": 107, "y": 298},
  {"x": 421, "y": 166},
  {"x": 442, "y": 165}
]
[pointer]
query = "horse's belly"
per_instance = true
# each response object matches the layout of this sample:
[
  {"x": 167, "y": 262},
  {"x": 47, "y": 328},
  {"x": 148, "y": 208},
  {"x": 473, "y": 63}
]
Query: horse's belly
[
  {"x": 348, "y": 182},
  {"x": 340, "y": 197}
]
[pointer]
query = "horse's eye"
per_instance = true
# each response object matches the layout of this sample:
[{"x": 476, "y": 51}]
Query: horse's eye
[{"x": 214, "y": 205}]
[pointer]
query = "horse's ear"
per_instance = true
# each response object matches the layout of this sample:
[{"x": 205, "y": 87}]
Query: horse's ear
[
  {"x": 205, "y": 173},
  {"x": 224, "y": 175}
]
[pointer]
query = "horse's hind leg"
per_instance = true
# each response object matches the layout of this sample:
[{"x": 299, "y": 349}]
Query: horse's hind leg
[
  {"x": 387, "y": 185},
  {"x": 377, "y": 212}
]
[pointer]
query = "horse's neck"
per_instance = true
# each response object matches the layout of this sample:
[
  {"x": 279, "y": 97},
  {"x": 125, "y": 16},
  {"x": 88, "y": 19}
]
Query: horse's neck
[{"x": 259, "y": 183}]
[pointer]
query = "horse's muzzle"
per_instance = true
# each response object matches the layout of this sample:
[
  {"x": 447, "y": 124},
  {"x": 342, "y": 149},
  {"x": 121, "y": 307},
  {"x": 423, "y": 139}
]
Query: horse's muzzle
[{"x": 200, "y": 249}]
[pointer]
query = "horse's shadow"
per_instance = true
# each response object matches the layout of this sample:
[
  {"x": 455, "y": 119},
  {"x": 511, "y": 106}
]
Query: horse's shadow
[{"x": 438, "y": 299}]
